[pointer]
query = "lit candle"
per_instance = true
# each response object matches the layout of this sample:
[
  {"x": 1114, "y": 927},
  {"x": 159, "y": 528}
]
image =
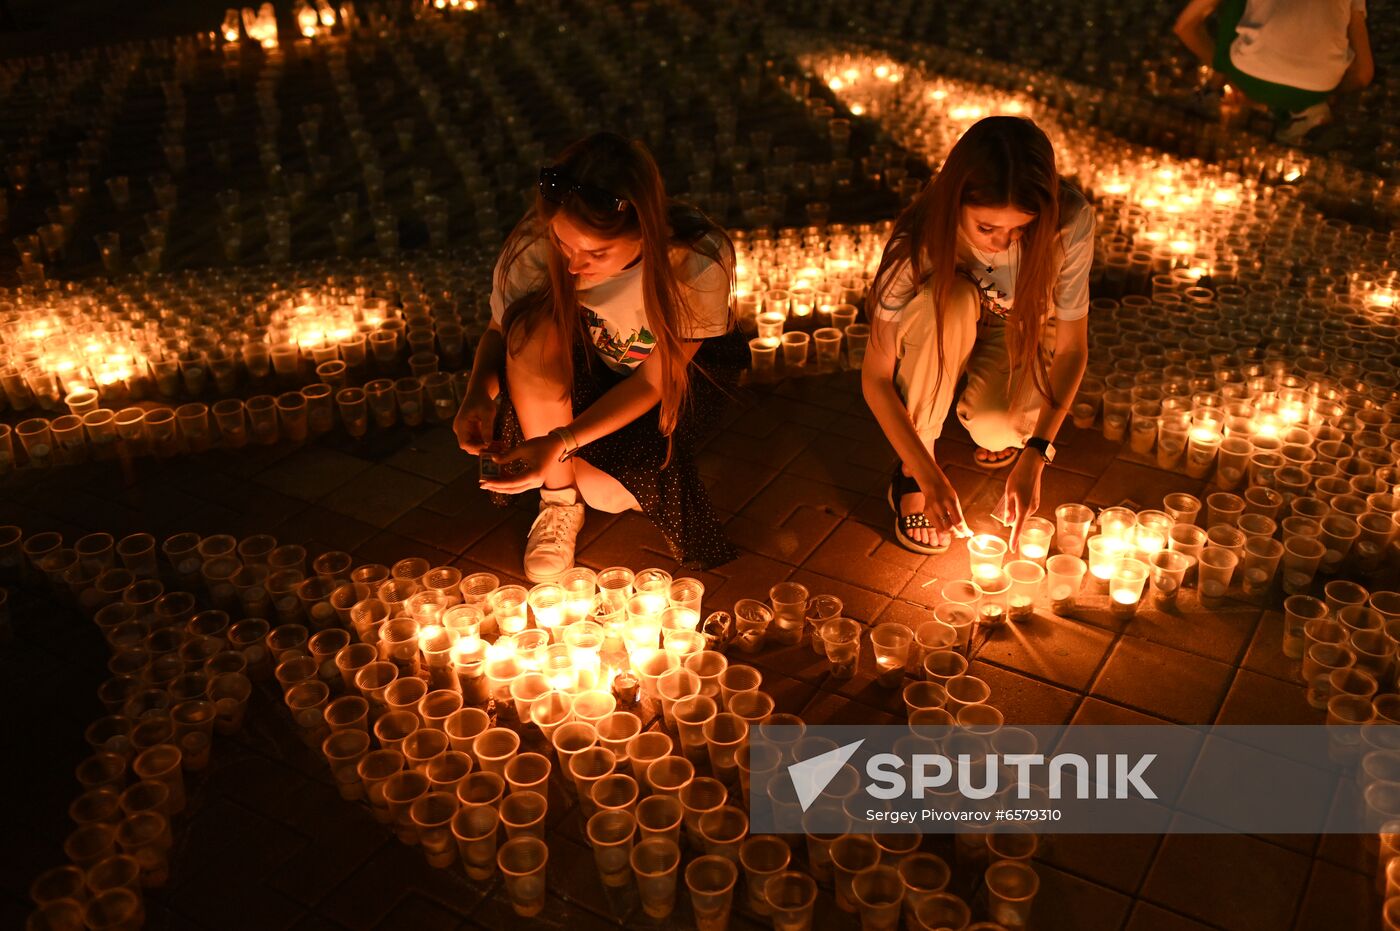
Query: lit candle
[
  {"x": 468, "y": 659},
  {"x": 985, "y": 553},
  {"x": 1125, "y": 586}
]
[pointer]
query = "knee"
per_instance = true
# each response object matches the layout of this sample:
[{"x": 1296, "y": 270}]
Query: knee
[
  {"x": 537, "y": 357},
  {"x": 991, "y": 429}
]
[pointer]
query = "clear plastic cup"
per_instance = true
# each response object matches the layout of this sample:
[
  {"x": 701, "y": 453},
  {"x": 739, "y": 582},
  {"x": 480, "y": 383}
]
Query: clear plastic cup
[
  {"x": 851, "y": 854},
  {"x": 878, "y": 893},
  {"x": 474, "y": 827},
  {"x": 1011, "y": 889},
  {"x": 660, "y": 816},
  {"x": 522, "y": 862},
  {"x": 792, "y": 899},
  {"x": 710, "y": 880},
  {"x": 611, "y": 834},
  {"x": 654, "y": 863},
  {"x": 762, "y": 856},
  {"x": 523, "y": 813}
]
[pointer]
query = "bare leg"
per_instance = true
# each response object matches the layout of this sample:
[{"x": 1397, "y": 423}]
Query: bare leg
[
  {"x": 542, "y": 403},
  {"x": 541, "y": 397}
]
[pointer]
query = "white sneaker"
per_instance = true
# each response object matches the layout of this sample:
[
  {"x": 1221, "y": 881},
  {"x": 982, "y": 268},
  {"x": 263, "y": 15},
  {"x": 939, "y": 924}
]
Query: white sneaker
[
  {"x": 1303, "y": 122},
  {"x": 549, "y": 550}
]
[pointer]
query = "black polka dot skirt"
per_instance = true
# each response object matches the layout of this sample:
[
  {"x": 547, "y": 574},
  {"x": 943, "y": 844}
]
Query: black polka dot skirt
[{"x": 673, "y": 497}]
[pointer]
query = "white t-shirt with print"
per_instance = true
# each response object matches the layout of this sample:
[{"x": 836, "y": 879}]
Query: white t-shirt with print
[
  {"x": 1300, "y": 43},
  {"x": 613, "y": 309},
  {"x": 996, "y": 274}
]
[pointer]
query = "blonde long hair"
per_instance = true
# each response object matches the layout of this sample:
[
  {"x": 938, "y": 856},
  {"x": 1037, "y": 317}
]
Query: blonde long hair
[
  {"x": 1001, "y": 161},
  {"x": 626, "y": 169}
]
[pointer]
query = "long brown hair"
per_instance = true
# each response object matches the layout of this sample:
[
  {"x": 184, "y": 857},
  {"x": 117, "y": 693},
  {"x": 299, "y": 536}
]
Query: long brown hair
[
  {"x": 1001, "y": 161},
  {"x": 626, "y": 169}
]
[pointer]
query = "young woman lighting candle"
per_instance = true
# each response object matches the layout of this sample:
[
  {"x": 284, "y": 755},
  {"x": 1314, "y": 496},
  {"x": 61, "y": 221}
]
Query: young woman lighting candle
[{"x": 986, "y": 275}]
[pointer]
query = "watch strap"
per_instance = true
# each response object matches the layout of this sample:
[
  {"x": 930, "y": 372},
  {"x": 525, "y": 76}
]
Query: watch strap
[{"x": 1042, "y": 446}]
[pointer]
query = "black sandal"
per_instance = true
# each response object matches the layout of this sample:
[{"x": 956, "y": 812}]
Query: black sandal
[{"x": 901, "y": 485}]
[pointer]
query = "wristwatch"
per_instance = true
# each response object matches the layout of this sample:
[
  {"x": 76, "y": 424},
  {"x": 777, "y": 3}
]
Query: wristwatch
[{"x": 1042, "y": 446}]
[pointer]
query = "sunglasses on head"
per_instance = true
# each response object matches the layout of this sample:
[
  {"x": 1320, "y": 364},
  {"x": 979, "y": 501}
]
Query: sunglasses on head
[{"x": 556, "y": 185}]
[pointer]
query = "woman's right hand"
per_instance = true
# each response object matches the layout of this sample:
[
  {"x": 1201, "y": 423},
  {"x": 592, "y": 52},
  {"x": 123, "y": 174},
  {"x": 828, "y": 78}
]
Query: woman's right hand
[
  {"x": 942, "y": 507},
  {"x": 475, "y": 422}
]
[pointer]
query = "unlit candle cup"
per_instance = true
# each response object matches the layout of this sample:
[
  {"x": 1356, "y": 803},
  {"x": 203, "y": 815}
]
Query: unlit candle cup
[{"x": 654, "y": 863}]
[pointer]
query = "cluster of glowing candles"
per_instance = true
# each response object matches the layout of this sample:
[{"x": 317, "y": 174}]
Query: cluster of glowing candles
[{"x": 107, "y": 342}]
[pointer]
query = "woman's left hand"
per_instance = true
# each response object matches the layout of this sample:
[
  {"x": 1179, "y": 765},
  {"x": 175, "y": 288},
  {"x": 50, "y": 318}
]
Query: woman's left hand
[
  {"x": 524, "y": 466},
  {"x": 1022, "y": 496}
]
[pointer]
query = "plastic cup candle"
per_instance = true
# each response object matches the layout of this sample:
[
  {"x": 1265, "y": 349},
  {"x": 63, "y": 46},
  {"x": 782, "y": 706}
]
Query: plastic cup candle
[
  {"x": 985, "y": 554},
  {"x": 1104, "y": 553},
  {"x": 752, "y": 619},
  {"x": 1182, "y": 508},
  {"x": 996, "y": 593},
  {"x": 1064, "y": 574},
  {"x": 1034, "y": 543},
  {"x": 547, "y": 606},
  {"x": 1125, "y": 584},
  {"x": 1026, "y": 578},
  {"x": 1301, "y": 557},
  {"x": 842, "y": 638},
  {"x": 1215, "y": 568},
  {"x": 1168, "y": 572},
  {"x": 1201, "y": 448},
  {"x": 1072, "y": 528},
  {"x": 1261, "y": 560},
  {"x": 891, "y": 643},
  {"x": 1298, "y": 611},
  {"x": 1150, "y": 534}
]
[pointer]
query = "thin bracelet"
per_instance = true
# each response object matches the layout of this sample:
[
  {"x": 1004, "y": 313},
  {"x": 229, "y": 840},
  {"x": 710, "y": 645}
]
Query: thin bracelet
[{"x": 566, "y": 436}]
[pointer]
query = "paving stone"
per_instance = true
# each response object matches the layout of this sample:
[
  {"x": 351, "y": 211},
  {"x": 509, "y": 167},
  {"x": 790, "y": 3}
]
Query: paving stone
[
  {"x": 220, "y": 899},
  {"x": 435, "y": 454},
  {"x": 1265, "y": 652},
  {"x": 1163, "y": 681},
  {"x": 1219, "y": 633},
  {"x": 380, "y": 495},
  {"x": 1057, "y": 650},
  {"x": 779, "y": 500},
  {"x": 792, "y": 541},
  {"x": 1337, "y": 898},
  {"x": 732, "y": 483},
  {"x": 1127, "y": 481},
  {"x": 1237, "y": 882},
  {"x": 394, "y": 872},
  {"x": 388, "y": 548},
  {"x": 418, "y": 913},
  {"x": 312, "y": 472},
  {"x": 1258, "y": 699},
  {"x": 632, "y": 540},
  {"x": 852, "y": 554},
  {"x": 1079, "y": 905},
  {"x": 830, "y": 708},
  {"x": 449, "y": 534},
  {"x": 1148, "y": 917},
  {"x": 1023, "y": 700},
  {"x": 1117, "y": 861},
  {"x": 315, "y": 525}
]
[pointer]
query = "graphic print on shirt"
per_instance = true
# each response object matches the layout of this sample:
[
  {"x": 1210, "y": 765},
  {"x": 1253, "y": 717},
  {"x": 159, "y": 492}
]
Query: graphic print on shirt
[
  {"x": 993, "y": 300},
  {"x": 628, "y": 352}
]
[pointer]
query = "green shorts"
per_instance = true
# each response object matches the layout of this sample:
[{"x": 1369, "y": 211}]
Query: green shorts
[{"x": 1280, "y": 98}]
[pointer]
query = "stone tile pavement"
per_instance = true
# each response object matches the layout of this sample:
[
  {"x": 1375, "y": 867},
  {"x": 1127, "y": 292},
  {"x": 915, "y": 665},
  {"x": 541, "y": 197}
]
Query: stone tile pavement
[{"x": 798, "y": 473}]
